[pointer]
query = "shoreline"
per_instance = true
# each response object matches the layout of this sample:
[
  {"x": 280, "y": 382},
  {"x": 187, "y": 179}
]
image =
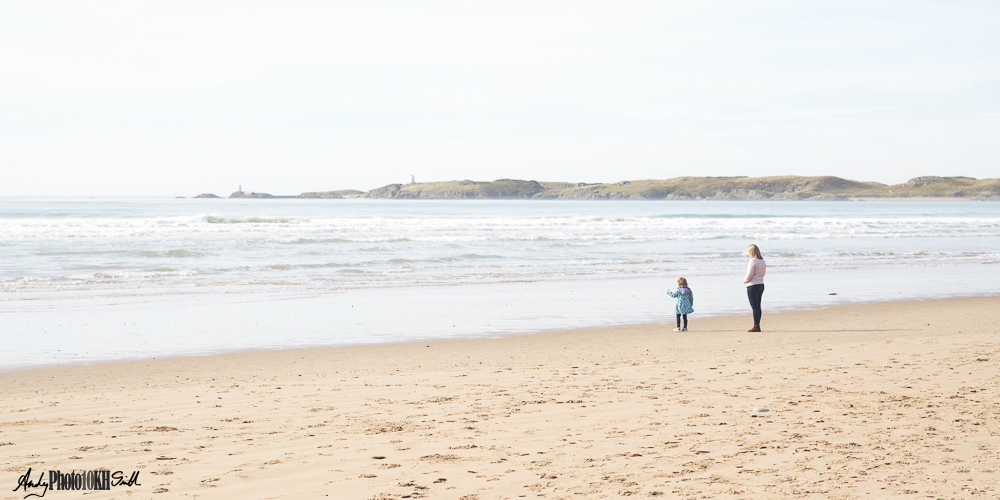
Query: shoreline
[
  {"x": 886, "y": 398},
  {"x": 669, "y": 323},
  {"x": 849, "y": 198},
  {"x": 680, "y": 188},
  {"x": 721, "y": 322}
]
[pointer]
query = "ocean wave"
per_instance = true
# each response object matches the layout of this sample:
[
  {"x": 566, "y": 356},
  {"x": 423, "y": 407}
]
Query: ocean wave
[
  {"x": 470, "y": 267},
  {"x": 238, "y": 251},
  {"x": 175, "y": 253},
  {"x": 286, "y": 230},
  {"x": 218, "y": 219}
]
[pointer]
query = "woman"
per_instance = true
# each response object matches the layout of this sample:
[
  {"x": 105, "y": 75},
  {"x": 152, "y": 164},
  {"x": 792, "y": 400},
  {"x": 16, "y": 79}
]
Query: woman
[{"x": 754, "y": 281}]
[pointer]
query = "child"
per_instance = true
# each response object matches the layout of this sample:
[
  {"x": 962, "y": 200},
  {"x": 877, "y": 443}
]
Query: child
[{"x": 685, "y": 303}]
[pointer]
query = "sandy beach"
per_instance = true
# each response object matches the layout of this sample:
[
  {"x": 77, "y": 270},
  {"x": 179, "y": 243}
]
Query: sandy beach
[{"x": 869, "y": 400}]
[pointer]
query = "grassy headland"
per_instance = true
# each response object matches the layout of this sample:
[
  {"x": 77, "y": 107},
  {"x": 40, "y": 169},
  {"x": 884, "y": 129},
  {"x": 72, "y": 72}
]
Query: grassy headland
[
  {"x": 784, "y": 187},
  {"x": 788, "y": 187}
]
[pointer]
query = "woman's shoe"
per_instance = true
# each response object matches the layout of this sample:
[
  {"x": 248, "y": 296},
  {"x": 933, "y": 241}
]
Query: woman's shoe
[
  {"x": 756, "y": 328},
  {"x": 677, "y": 329},
  {"x": 684, "y": 329}
]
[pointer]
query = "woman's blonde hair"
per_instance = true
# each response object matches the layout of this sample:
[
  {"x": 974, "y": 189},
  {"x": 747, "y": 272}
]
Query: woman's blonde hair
[
  {"x": 682, "y": 282},
  {"x": 754, "y": 251}
]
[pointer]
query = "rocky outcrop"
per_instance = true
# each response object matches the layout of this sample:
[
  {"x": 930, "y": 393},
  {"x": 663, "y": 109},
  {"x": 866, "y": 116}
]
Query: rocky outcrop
[
  {"x": 741, "y": 194},
  {"x": 206, "y": 195},
  {"x": 681, "y": 196},
  {"x": 343, "y": 193},
  {"x": 322, "y": 194},
  {"x": 601, "y": 192},
  {"x": 922, "y": 181},
  {"x": 389, "y": 191},
  {"x": 827, "y": 197},
  {"x": 588, "y": 194},
  {"x": 251, "y": 194},
  {"x": 498, "y": 189}
]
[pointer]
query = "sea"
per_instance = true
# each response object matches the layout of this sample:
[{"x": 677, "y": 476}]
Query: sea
[{"x": 85, "y": 280}]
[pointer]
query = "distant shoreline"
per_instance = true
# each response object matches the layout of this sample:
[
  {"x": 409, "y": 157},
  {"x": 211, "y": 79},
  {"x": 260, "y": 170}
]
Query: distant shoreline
[
  {"x": 779, "y": 188},
  {"x": 542, "y": 200}
]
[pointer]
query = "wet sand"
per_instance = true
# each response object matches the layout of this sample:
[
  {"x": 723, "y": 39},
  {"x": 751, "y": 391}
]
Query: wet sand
[{"x": 870, "y": 400}]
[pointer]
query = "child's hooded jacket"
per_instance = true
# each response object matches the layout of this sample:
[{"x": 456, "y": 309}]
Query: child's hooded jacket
[{"x": 685, "y": 300}]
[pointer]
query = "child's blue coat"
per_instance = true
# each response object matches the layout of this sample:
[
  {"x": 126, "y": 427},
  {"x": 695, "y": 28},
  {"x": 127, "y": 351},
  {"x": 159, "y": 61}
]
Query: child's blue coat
[{"x": 685, "y": 300}]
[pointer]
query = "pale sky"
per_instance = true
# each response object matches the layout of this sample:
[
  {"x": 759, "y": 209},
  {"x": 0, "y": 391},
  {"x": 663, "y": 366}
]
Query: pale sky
[{"x": 177, "y": 98}]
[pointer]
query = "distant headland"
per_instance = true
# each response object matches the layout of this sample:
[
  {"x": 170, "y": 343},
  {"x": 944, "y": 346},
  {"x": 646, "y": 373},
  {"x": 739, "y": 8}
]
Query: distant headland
[{"x": 787, "y": 187}]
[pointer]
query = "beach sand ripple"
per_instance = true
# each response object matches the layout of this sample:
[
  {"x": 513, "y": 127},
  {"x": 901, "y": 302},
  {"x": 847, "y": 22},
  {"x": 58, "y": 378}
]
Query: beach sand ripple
[{"x": 877, "y": 399}]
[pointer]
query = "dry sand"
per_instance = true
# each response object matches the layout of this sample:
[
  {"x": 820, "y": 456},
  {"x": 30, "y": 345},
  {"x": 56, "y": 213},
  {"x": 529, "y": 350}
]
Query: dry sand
[{"x": 878, "y": 400}]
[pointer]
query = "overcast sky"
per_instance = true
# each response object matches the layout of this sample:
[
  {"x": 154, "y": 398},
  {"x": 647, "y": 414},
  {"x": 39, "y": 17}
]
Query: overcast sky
[{"x": 179, "y": 98}]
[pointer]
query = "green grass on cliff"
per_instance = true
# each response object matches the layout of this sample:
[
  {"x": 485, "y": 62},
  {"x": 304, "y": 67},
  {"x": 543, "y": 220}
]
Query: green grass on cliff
[
  {"x": 954, "y": 187},
  {"x": 786, "y": 187},
  {"x": 503, "y": 188},
  {"x": 780, "y": 187}
]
